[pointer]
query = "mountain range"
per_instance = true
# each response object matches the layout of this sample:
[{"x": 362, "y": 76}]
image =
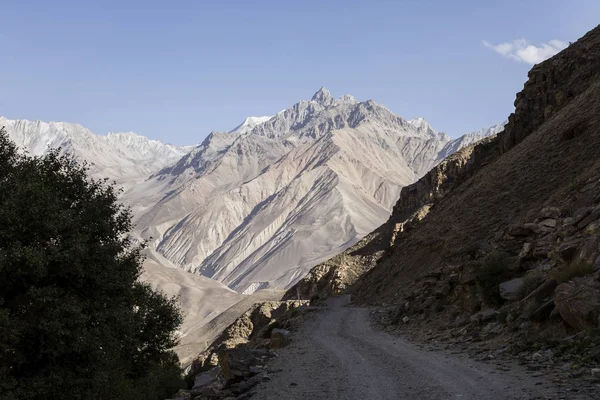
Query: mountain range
[{"x": 258, "y": 206}]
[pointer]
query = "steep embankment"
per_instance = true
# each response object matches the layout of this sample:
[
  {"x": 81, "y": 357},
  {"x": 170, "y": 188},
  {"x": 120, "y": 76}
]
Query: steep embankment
[
  {"x": 340, "y": 272},
  {"x": 549, "y": 147}
]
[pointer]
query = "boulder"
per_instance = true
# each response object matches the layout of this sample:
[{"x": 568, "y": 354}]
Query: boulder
[
  {"x": 589, "y": 250},
  {"x": 483, "y": 316},
  {"x": 279, "y": 338},
  {"x": 550, "y": 212},
  {"x": 527, "y": 251},
  {"x": 205, "y": 378},
  {"x": 581, "y": 214},
  {"x": 593, "y": 215},
  {"x": 578, "y": 302},
  {"x": 235, "y": 363},
  {"x": 523, "y": 230},
  {"x": 567, "y": 250},
  {"x": 548, "y": 223},
  {"x": 468, "y": 276},
  {"x": 442, "y": 289},
  {"x": 510, "y": 290},
  {"x": 593, "y": 228},
  {"x": 181, "y": 395}
]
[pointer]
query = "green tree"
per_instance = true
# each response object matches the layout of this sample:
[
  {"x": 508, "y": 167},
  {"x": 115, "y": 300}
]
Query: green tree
[{"x": 75, "y": 322}]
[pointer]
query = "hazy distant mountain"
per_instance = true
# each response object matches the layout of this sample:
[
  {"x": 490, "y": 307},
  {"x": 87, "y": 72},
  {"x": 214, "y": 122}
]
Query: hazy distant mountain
[
  {"x": 468, "y": 139},
  {"x": 127, "y": 158}
]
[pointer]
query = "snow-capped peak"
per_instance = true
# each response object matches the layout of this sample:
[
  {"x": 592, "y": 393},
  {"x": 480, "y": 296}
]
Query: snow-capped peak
[
  {"x": 421, "y": 124},
  {"x": 249, "y": 124}
]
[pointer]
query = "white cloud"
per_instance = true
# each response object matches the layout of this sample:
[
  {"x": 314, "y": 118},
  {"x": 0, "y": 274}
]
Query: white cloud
[{"x": 520, "y": 50}]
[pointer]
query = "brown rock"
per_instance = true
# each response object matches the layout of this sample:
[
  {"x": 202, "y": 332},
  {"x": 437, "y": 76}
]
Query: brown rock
[
  {"x": 593, "y": 215},
  {"x": 523, "y": 230},
  {"x": 589, "y": 250},
  {"x": 442, "y": 289},
  {"x": 567, "y": 250},
  {"x": 580, "y": 214},
  {"x": 235, "y": 363},
  {"x": 468, "y": 276},
  {"x": 578, "y": 302},
  {"x": 279, "y": 338},
  {"x": 550, "y": 212},
  {"x": 548, "y": 223},
  {"x": 484, "y": 316},
  {"x": 526, "y": 251}
]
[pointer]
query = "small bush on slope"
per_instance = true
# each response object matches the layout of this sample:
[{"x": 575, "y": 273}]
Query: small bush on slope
[
  {"x": 74, "y": 321},
  {"x": 494, "y": 271},
  {"x": 572, "y": 270}
]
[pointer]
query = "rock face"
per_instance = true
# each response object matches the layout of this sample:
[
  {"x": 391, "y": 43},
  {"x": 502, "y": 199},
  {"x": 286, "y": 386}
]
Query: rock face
[
  {"x": 254, "y": 328},
  {"x": 508, "y": 181},
  {"x": 578, "y": 303}
]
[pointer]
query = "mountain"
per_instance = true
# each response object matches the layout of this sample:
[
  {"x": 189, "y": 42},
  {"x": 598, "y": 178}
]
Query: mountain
[
  {"x": 469, "y": 139},
  {"x": 127, "y": 158},
  {"x": 250, "y": 123},
  {"x": 259, "y": 206}
]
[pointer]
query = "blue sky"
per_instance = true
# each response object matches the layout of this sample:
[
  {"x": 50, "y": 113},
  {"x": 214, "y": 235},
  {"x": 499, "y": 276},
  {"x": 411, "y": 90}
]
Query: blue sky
[{"x": 176, "y": 70}]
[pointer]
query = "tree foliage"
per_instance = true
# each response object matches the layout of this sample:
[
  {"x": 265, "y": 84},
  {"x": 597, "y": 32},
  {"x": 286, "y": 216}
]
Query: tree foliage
[{"x": 75, "y": 322}]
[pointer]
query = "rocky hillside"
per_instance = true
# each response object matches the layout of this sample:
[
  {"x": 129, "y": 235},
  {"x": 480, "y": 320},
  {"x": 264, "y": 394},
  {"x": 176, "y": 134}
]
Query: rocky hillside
[
  {"x": 545, "y": 155},
  {"x": 337, "y": 274},
  {"x": 498, "y": 247}
]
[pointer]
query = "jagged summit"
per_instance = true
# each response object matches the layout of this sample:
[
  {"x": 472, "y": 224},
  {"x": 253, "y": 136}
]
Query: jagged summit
[
  {"x": 323, "y": 97},
  {"x": 421, "y": 124}
]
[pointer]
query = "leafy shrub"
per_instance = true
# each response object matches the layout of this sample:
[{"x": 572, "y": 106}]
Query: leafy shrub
[
  {"x": 495, "y": 270},
  {"x": 75, "y": 322},
  {"x": 573, "y": 270}
]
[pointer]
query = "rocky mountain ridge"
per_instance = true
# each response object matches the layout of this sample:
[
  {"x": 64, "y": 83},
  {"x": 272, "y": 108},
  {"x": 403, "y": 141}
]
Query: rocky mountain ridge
[
  {"x": 270, "y": 186},
  {"x": 261, "y": 189}
]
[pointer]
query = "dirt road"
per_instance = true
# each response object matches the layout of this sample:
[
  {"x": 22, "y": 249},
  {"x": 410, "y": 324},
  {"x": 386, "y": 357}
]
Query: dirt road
[{"x": 338, "y": 355}]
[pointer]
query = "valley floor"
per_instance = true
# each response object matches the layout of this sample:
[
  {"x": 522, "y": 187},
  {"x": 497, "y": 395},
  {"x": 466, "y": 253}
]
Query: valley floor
[{"x": 338, "y": 355}]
